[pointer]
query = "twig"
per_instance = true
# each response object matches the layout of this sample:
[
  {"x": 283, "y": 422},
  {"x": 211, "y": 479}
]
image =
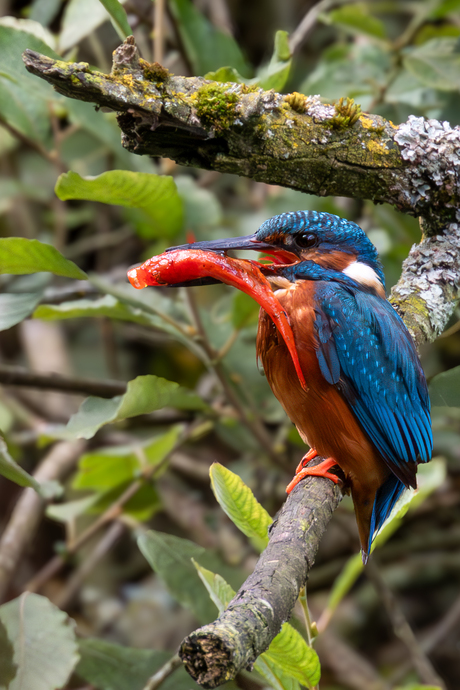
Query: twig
[
  {"x": 164, "y": 672},
  {"x": 402, "y": 629},
  {"x": 299, "y": 34},
  {"x": 158, "y": 28},
  {"x": 17, "y": 376},
  {"x": 217, "y": 652},
  {"x": 254, "y": 425},
  {"x": 74, "y": 583},
  {"x": 28, "y": 511}
]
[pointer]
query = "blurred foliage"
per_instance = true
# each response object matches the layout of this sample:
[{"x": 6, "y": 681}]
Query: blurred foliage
[{"x": 76, "y": 211}]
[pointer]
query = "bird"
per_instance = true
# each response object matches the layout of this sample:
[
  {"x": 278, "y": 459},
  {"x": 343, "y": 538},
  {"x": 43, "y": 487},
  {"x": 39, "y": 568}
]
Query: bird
[{"x": 363, "y": 404}]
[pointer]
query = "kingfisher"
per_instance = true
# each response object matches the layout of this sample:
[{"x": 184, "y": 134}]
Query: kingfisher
[{"x": 352, "y": 382}]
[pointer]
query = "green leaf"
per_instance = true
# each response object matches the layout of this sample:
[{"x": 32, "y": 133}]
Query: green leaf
[
  {"x": 8, "y": 669},
  {"x": 445, "y": 389},
  {"x": 144, "y": 395},
  {"x": 110, "y": 666},
  {"x": 108, "y": 467},
  {"x": 24, "y": 99},
  {"x": 155, "y": 196},
  {"x": 290, "y": 653},
  {"x": 274, "y": 676},
  {"x": 118, "y": 15},
  {"x": 355, "y": 16},
  {"x": 238, "y": 502},
  {"x": 435, "y": 63},
  {"x": 31, "y": 27},
  {"x": 170, "y": 557},
  {"x": 220, "y": 591},
  {"x": 67, "y": 512},
  {"x": 80, "y": 18},
  {"x": 14, "y": 308},
  {"x": 11, "y": 470},
  {"x": 104, "y": 306},
  {"x": 274, "y": 75},
  {"x": 245, "y": 310},
  {"x": 429, "y": 478},
  {"x": 19, "y": 256},
  {"x": 141, "y": 506},
  {"x": 43, "y": 637},
  {"x": 207, "y": 48}
]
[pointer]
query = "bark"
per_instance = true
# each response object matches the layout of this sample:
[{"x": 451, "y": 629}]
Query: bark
[
  {"x": 215, "y": 653},
  {"x": 298, "y": 142}
]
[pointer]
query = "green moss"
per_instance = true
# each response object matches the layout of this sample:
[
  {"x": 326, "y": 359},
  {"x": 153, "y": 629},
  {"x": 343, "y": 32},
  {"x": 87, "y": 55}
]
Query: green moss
[
  {"x": 297, "y": 101},
  {"x": 153, "y": 71},
  {"x": 347, "y": 112},
  {"x": 216, "y": 107}
]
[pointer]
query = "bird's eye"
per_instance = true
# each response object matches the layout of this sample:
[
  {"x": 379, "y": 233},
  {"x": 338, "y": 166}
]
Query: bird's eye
[{"x": 306, "y": 240}]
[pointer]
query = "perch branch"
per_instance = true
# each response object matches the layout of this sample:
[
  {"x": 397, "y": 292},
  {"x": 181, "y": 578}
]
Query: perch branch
[{"x": 215, "y": 653}]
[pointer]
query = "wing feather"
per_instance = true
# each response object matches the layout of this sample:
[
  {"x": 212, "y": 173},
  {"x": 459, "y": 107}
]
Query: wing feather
[{"x": 365, "y": 350}]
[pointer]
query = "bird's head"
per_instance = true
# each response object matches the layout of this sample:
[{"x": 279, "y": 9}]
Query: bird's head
[{"x": 291, "y": 239}]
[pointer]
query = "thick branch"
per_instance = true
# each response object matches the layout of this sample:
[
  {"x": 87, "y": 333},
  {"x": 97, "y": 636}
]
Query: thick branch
[
  {"x": 293, "y": 141},
  {"x": 215, "y": 653}
]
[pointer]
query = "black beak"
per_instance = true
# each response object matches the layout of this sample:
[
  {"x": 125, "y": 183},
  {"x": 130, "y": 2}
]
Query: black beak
[{"x": 225, "y": 245}]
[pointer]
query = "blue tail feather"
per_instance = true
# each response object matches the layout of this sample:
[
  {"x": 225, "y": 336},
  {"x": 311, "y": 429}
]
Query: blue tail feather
[{"x": 384, "y": 501}]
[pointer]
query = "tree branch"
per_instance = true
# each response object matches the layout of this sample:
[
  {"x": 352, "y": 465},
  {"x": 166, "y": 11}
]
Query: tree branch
[
  {"x": 294, "y": 141},
  {"x": 217, "y": 652}
]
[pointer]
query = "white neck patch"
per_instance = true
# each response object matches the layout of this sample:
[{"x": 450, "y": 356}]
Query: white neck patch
[{"x": 365, "y": 275}]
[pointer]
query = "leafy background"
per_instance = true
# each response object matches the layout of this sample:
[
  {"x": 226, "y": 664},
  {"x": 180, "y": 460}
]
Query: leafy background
[{"x": 123, "y": 465}]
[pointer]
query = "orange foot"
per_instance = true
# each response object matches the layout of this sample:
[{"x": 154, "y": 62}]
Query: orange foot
[{"x": 320, "y": 470}]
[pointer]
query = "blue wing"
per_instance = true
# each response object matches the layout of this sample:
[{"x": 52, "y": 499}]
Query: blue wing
[{"x": 367, "y": 352}]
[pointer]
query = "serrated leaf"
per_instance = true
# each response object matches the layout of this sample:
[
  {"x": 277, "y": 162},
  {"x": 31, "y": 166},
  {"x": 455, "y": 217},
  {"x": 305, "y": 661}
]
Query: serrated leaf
[
  {"x": 207, "y": 48},
  {"x": 444, "y": 389},
  {"x": 154, "y": 195},
  {"x": 43, "y": 637},
  {"x": 220, "y": 591},
  {"x": 24, "y": 99},
  {"x": 238, "y": 502},
  {"x": 14, "y": 308},
  {"x": 144, "y": 395},
  {"x": 430, "y": 476},
  {"x": 19, "y": 256},
  {"x": 290, "y": 654},
  {"x": 110, "y": 666},
  {"x": 274, "y": 676},
  {"x": 436, "y": 63}
]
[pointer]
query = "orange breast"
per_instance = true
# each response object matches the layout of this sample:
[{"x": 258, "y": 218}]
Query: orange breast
[{"x": 322, "y": 416}]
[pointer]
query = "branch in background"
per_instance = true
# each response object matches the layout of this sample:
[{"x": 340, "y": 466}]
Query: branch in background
[
  {"x": 29, "y": 510},
  {"x": 215, "y": 653},
  {"x": 17, "y": 376}
]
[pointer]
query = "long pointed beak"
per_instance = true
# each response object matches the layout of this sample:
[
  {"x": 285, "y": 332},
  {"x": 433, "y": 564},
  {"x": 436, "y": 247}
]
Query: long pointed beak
[{"x": 225, "y": 245}]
